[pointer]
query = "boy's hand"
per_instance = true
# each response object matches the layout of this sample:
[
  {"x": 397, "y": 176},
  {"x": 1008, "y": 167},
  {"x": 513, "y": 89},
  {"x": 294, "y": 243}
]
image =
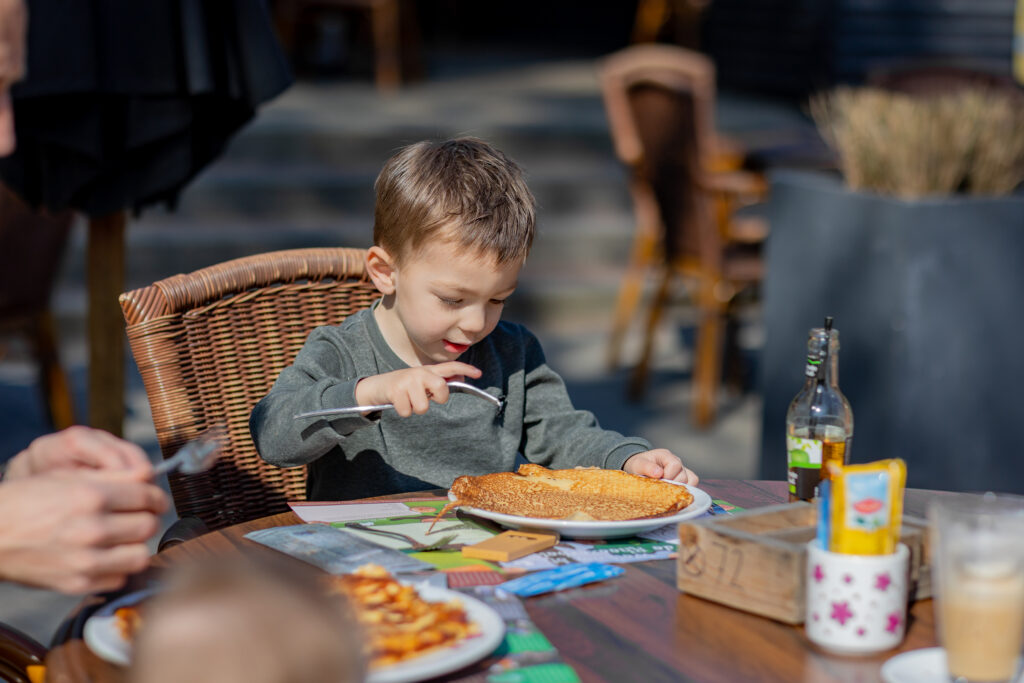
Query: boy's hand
[
  {"x": 411, "y": 390},
  {"x": 660, "y": 463}
]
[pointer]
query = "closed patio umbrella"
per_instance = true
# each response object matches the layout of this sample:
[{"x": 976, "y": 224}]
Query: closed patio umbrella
[{"x": 123, "y": 103}]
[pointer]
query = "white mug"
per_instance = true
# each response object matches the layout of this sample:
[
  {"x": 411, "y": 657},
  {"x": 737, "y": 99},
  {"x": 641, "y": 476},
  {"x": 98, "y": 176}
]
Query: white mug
[{"x": 856, "y": 604}]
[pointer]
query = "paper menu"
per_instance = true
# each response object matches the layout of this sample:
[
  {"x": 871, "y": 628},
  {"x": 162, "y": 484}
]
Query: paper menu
[
  {"x": 399, "y": 524},
  {"x": 334, "y": 551},
  {"x": 347, "y": 512}
]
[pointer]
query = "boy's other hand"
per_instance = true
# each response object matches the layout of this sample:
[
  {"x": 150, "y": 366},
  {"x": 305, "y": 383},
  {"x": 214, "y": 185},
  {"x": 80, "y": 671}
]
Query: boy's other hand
[
  {"x": 660, "y": 463},
  {"x": 411, "y": 390}
]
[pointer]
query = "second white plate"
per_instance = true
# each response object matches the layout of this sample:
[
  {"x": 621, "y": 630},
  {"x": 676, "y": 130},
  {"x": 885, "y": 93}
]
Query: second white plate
[
  {"x": 598, "y": 528},
  {"x": 103, "y": 637}
]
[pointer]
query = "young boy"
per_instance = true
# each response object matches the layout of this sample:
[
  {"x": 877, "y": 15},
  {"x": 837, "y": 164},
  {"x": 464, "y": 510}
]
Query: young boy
[{"x": 452, "y": 227}]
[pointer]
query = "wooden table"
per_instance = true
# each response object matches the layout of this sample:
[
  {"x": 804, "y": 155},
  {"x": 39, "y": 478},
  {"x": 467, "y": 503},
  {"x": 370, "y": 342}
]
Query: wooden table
[{"x": 637, "y": 627}]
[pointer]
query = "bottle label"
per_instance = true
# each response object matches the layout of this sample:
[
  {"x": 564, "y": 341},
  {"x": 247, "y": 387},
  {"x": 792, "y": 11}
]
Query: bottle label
[
  {"x": 803, "y": 452},
  {"x": 804, "y": 460}
]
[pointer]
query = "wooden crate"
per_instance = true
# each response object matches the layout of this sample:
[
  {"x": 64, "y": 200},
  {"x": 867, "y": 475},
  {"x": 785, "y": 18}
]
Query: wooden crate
[{"x": 756, "y": 560}]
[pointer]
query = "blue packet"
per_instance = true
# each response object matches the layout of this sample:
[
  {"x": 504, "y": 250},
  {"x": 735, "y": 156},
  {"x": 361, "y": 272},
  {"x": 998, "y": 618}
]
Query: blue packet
[
  {"x": 824, "y": 514},
  {"x": 560, "y": 578}
]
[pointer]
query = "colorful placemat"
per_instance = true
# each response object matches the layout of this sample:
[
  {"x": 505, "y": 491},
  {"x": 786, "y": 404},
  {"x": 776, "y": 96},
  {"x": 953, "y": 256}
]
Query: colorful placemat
[{"x": 525, "y": 655}]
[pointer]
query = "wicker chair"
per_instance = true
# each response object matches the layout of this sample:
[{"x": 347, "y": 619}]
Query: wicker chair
[
  {"x": 21, "y": 657},
  {"x": 660, "y": 105},
  {"x": 209, "y": 345}
]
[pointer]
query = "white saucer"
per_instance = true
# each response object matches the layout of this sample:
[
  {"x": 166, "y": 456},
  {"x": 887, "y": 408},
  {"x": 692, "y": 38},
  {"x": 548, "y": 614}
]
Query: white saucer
[{"x": 917, "y": 666}]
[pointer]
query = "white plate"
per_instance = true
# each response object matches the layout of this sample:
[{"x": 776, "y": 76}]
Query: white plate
[
  {"x": 917, "y": 666},
  {"x": 598, "y": 528},
  {"x": 104, "y": 639},
  {"x": 102, "y": 635},
  {"x": 463, "y": 653}
]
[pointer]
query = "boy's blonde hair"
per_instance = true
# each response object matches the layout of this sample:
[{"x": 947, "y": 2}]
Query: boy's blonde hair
[{"x": 461, "y": 189}]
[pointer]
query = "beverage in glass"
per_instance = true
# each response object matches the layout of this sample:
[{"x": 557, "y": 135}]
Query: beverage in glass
[{"x": 977, "y": 546}]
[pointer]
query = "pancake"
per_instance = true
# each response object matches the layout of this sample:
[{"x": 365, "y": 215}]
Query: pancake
[{"x": 576, "y": 494}]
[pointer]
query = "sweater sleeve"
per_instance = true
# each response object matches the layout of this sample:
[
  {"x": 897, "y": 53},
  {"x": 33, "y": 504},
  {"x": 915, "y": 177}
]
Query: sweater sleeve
[
  {"x": 557, "y": 435},
  {"x": 322, "y": 376}
]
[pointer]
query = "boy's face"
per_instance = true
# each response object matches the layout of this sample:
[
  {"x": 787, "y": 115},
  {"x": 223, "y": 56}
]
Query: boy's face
[{"x": 441, "y": 300}]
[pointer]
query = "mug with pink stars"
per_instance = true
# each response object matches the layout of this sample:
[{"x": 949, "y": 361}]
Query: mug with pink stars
[{"x": 856, "y": 604}]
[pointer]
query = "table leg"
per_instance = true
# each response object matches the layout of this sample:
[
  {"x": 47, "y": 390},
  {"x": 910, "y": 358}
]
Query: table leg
[{"x": 105, "y": 276}]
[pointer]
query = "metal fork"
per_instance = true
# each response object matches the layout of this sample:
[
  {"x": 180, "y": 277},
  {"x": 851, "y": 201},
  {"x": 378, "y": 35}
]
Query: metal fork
[
  {"x": 413, "y": 543},
  {"x": 198, "y": 455},
  {"x": 458, "y": 387}
]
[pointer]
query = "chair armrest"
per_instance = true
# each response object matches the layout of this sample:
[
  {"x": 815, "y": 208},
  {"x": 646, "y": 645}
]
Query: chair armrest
[{"x": 184, "y": 529}]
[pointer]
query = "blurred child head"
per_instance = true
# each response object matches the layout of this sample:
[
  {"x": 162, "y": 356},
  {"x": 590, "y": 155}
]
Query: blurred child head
[
  {"x": 236, "y": 623},
  {"x": 460, "y": 190}
]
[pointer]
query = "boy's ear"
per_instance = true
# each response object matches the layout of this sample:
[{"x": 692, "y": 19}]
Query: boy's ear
[{"x": 381, "y": 268}]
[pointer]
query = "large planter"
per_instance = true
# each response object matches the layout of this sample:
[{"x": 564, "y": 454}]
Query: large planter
[{"x": 928, "y": 297}]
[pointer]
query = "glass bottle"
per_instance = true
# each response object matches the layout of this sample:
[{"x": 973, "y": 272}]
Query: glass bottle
[{"x": 819, "y": 422}]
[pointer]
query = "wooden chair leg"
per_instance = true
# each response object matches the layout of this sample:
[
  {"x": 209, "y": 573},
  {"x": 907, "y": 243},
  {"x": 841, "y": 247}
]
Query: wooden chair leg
[
  {"x": 640, "y": 259},
  {"x": 638, "y": 380},
  {"x": 286, "y": 22},
  {"x": 52, "y": 378},
  {"x": 385, "y": 18},
  {"x": 651, "y": 16},
  {"x": 707, "y": 367},
  {"x": 105, "y": 274}
]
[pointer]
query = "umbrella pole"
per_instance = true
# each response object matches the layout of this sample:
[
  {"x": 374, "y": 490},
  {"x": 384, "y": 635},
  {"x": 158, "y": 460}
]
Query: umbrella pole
[{"x": 105, "y": 275}]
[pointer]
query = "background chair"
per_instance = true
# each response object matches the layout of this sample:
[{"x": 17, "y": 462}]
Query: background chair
[
  {"x": 21, "y": 657},
  {"x": 660, "y": 105},
  {"x": 395, "y": 34},
  {"x": 209, "y": 345},
  {"x": 31, "y": 247}
]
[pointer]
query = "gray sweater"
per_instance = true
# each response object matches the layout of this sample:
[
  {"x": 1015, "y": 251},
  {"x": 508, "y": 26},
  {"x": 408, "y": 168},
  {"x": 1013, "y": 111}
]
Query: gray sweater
[{"x": 355, "y": 456}]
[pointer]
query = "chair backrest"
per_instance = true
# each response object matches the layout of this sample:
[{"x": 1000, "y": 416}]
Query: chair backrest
[
  {"x": 660, "y": 105},
  {"x": 209, "y": 344}
]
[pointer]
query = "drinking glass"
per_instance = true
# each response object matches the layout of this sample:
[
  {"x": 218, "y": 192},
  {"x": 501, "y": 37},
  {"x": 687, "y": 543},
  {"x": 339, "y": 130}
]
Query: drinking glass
[{"x": 977, "y": 560}]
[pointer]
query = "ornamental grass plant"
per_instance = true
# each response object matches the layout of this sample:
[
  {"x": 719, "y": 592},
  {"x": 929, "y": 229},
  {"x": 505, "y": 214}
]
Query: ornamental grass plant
[{"x": 910, "y": 146}]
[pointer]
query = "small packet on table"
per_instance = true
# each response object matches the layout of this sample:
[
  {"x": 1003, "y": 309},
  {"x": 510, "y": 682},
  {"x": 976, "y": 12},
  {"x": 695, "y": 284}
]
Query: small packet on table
[
  {"x": 510, "y": 545},
  {"x": 865, "y": 508},
  {"x": 561, "y": 578}
]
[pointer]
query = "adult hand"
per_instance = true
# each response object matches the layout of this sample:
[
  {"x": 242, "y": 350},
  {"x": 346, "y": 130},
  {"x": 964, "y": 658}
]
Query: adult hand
[
  {"x": 411, "y": 390},
  {"x": 79, "y": 448},
  {"x": 660, "y": 463},
  {"x": 77, "y": 532}
]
